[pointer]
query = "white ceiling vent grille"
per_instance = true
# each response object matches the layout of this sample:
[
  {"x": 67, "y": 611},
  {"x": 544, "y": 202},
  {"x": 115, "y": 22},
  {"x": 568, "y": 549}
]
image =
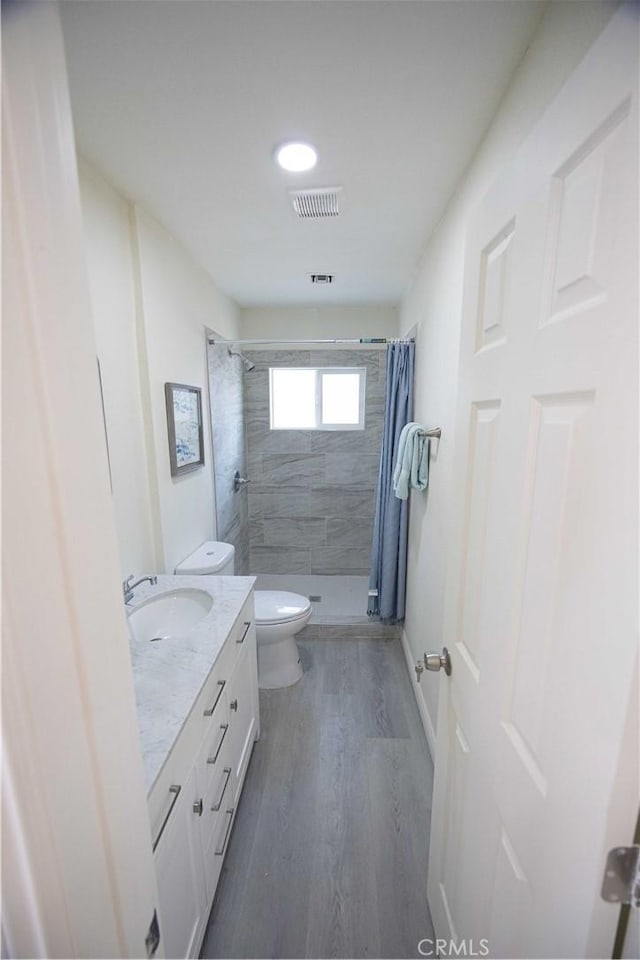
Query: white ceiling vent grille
[{"x": 316, "y": 204}]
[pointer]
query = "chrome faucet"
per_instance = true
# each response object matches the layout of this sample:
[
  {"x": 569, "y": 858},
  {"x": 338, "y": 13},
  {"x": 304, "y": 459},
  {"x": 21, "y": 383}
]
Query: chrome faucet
[{"x": 128, "y": 587}]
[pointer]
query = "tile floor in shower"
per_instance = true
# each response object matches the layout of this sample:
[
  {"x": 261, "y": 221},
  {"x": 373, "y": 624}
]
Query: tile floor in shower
[{"x": 344, "y": 598}]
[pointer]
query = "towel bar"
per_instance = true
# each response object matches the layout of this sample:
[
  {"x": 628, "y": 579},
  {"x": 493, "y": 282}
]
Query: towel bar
[{"x": 435, "y": 433}]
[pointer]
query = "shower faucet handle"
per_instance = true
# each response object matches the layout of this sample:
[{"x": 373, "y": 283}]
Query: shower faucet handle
[{"x": 239, "y": 481}]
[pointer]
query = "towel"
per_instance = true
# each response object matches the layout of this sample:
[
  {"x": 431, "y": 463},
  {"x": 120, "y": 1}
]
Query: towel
[{"x": 412, "y": 462}]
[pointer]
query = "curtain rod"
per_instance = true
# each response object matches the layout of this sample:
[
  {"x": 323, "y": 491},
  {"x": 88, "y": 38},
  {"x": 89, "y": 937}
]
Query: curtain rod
[{"x": 363, "y": 340}]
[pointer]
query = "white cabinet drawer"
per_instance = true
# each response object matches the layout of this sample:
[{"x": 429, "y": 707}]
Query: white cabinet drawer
[
  {"x": 210, "y": 699},
  {"x": 218, "y": 795},
  {"x": 215, "y": 847},
  {"x": 242, "y": 625},
  {"x": 223, "y": 831},
  {"x": 214, "y": 753}
]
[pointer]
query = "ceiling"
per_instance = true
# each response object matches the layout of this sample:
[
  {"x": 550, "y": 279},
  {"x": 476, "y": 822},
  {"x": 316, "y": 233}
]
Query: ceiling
[{"x": 180, "y": 105}]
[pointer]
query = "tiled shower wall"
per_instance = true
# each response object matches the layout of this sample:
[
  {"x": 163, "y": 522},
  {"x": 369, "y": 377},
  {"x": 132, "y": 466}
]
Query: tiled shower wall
[
  {"x": 312, "y": 492},
  {"x": 229, "y": 451}
]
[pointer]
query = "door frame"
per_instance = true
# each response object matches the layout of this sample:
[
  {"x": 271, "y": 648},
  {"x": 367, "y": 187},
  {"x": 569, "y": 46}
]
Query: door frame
[{"x": 78, "y": 869}]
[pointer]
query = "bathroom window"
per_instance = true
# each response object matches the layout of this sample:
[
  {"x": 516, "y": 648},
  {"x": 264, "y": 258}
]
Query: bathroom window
[{"x": 317, "y": 398}]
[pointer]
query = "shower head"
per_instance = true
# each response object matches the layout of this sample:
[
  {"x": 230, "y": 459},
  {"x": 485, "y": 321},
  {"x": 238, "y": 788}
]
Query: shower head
[{"x": 248, "y": 365}]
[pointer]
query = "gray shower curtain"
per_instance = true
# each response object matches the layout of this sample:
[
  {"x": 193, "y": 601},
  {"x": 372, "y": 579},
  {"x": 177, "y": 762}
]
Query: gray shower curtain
[{"x": 387, "y": 582}]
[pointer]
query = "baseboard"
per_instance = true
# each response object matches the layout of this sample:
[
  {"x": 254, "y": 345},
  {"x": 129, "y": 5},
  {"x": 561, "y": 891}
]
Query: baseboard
[
  {"x": 366, "y": 630},
  {"x": 429, "y": 731}
]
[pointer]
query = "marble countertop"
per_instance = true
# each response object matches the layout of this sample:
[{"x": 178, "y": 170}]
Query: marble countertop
[{"x": 168, "y": 676}]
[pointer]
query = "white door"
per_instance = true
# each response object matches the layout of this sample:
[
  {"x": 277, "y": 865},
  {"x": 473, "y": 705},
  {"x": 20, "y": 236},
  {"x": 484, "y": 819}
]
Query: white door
[
  {"x": 77, "y": 866},
  {"x": 536, "y": 763}
]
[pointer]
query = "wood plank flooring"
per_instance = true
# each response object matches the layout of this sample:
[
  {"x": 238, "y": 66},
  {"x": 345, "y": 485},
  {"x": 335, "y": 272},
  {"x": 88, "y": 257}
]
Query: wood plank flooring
[{"x": 328, "y": 855}]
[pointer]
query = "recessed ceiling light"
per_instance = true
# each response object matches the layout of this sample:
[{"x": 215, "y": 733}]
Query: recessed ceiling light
[{"x": 296, "y": 156}]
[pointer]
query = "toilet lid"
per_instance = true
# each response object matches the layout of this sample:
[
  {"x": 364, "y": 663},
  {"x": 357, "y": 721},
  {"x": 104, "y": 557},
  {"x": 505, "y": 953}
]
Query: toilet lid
[
  {"x": 210, "y": 557},
  {"x": 278, "y": 606}
]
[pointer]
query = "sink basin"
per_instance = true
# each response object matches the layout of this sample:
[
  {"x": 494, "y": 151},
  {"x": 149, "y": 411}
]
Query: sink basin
[{"x": 169, "y": 614}]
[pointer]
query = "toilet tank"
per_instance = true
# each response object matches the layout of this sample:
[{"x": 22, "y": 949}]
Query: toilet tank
[{"x": 212, "y": 558}]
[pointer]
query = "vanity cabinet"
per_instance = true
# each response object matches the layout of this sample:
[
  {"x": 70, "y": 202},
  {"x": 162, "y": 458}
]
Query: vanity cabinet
[{"x": 193, "y": 802}]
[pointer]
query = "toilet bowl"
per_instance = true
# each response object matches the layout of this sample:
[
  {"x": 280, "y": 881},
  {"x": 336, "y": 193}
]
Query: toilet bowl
[{"x": 279, "y": 616}]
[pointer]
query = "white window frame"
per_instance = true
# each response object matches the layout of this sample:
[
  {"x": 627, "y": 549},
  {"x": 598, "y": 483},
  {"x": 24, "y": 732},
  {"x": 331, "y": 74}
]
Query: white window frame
[{"x": 361, "y": 372}]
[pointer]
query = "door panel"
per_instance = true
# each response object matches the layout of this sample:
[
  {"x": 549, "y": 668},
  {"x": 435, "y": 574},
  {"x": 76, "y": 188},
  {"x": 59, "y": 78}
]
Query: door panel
[
  {"x": 580, "y": 226},
  {"x": 481, "y": 475}
]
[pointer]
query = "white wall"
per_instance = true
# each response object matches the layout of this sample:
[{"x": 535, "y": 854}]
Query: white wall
[
  {"x": 304, "y": 322},
  {"x": 179, "y": 301},
  {"x": 434, "y": 303},
  {"x": 151, "y": 305},
  {"x": 112, "y": 285}
]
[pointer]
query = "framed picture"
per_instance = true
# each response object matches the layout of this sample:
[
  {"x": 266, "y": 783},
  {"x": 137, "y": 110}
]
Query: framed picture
[{"x": 184, "y": 423}]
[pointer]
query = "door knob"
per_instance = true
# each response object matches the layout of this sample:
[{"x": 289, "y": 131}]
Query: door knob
[{"x": 438, "y": 661}]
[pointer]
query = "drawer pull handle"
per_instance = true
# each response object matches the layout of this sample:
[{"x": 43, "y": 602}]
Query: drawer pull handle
[
  {"x": 175, "y": 789},
  {"x": 221, "y": 850},
  {"x": 209, "y": 713},
  {"x": 218, "y": 803},
  {"x": 224, "y": 727},
  {"x": 197, "y": 807},
  {"x": 233, "y": 705},
  {"x": 247, "y": 625}
]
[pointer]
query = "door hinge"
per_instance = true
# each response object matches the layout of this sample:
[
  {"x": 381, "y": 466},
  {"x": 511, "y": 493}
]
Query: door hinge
[{"x": 621, "y": 882}]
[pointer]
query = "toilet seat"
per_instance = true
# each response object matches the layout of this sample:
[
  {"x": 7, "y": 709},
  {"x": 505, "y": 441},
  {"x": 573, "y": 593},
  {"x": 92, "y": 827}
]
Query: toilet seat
[{"x": 280, "y": 606}]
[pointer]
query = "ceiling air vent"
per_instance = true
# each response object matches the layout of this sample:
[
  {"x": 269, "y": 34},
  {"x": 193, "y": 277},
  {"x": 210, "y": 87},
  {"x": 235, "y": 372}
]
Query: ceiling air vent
[
  {"x": 316, "y": 204},
  {"x": 321, "y": 278}
]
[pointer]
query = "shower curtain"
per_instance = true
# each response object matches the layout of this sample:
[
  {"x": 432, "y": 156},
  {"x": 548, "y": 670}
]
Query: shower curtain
[{"x": 387, "y": 582}]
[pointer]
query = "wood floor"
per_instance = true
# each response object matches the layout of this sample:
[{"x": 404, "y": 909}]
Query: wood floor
[{"x": 328, "y": 856}]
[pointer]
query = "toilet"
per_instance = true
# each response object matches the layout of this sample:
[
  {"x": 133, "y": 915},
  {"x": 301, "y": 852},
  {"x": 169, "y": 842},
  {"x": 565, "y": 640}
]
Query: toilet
[{"x": 280, "y": 615}]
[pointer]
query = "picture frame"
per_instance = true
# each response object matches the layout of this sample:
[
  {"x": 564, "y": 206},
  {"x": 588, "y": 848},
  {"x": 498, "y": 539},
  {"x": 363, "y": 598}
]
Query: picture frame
[{"x": 184, "y": 425}]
